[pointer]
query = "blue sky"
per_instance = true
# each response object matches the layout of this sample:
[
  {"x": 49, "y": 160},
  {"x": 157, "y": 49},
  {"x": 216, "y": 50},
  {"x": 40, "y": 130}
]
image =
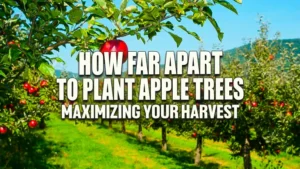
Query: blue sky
[{"x": 284, "y": 17}]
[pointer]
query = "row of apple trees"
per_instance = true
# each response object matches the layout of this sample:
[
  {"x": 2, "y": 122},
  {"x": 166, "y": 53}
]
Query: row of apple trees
[{"x": 269, "y": 116}]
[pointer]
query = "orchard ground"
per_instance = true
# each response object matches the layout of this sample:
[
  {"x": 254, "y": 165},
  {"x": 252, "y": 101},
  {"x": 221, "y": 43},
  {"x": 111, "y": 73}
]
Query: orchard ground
[{"x": 71, "y": 145}]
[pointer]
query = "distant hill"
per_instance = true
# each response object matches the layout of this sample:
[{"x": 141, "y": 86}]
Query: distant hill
[
  {"x": 232, "y": 52},
  {"x": 284, "y": 43},
  {"x": 58, "y": 73}
]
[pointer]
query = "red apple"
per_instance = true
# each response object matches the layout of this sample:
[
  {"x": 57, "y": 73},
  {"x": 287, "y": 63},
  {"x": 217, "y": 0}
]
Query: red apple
[
  {"x": 115, "y": 46},
  {"x": 26, "y": 86},
  {"x": 31, "y": 90},
  {"x": 11, "y": 106},
  {"x": 22, "y": 102},
  {"x": 275, "y": 103},
  {"x": 194, "y": 135},
  {"x": 53, "y": 98},
  {"x": 11, "y": 43},
  {"x": 282, "y": 104},
  {"x": 3, "y": 130},
  {"x": 247, "y": 102},
  {"x": 43, "y": 83},
  {"x": 233, "y": 127},
  {"x": 271, "y": 57},
  {"x": 42, "y": 102},
  {"x": 36, "y": 89},
  {"x": 254, "y": 104},
  {"x": 277, "y": 151},
  {"x": 32, "y": 124},
  {"x": 289, "y": 113},
  {"x": 191, "y": 94}
]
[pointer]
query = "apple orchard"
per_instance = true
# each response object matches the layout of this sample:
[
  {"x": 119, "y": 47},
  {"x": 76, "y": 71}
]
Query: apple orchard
[
  {"x": 113, "y": 88},
  {"x": 252, "y": 104}
]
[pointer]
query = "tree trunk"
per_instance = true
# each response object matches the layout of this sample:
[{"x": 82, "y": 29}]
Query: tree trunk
[
  {"x": 198, "y": 151},
  {"x": 164, "y": 138},
  {"x": 140, "y": 133},
  {"x": 42, "y": 124},
  {"x": 123, "y": 126},
  {"x": 110, "y": 124},
  {"x": 246, "y": 155}
]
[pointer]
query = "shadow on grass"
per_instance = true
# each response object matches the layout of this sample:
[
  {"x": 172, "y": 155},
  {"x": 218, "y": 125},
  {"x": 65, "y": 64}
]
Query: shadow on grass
[
  {"x": 183, "y": 158},
  {"x": 33, "y": 155}
]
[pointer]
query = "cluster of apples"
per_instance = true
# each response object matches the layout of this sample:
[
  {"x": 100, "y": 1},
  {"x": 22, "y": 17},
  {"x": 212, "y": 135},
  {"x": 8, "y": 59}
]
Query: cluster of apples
[
  {"x": 31, "y": 124},
  {"x": 282, "y": 105},
  {"x": 252, "y": 103},
  {"x": 31, "y": 90}
]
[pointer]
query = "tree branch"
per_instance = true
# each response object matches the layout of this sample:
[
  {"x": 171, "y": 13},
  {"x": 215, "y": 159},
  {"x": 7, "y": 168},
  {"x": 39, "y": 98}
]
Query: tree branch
[
  {"x": 81, "y": 24},
  {"x": 121, "y": 35},
  {"x": 57, "y": 45},
  {"x": 145, "y": 27},
  {"x": 31, "y": 30}
]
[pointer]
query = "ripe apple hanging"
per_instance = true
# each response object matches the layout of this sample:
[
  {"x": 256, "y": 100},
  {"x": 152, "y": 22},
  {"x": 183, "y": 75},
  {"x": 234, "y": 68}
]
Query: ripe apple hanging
[
  {"x": 32, "y": 124},
  {"x": 3, "y": 130},
  {"x": 115, "y": 46}
]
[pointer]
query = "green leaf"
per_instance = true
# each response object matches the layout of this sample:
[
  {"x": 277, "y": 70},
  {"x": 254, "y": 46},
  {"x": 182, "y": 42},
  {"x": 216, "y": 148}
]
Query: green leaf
[
  {"x": 84, "y": 32},
  {"x": 216, "y": 26},
  {"x": 239, "y": 1},
  {"x": 142, "y": 4},
  {"x": 75, "y": 15},
  {"x": 101, "y": 36},
  {"x": 101, "y": 3},
  {"x": 194, "y": 34},
  {"x": 176, "y": 38},
  {"x": 227, "y": 5},
  {"x": 2, "y": 73},
  {"x": 9, "y": 54},
  {"x": 27, "y": 74},
  {"x": 208, "y": 11},
  {"x": 59, "y": 60},
  {"x": 168, "y": 24},
  {"x": 139, "y": 37},
  {"x": 169, "y": 4},
  {"x": 77, "y": 34},
  {"x": 73, "y": 51},
  {"x": 159, "y": 2},
  {"x": 131, "y": 8},
  {"x": 95, "y": 10},
  {"x": 5, "y": 59},
  {"x": 12, "y": 3},
  {"x": 155, "y": 12},
  {"x": 123, "y": 5},
  {"x": 46, "y": 69}
]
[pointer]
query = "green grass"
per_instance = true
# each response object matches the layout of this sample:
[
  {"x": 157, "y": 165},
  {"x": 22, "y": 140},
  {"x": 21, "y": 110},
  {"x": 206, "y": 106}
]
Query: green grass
[{"x": 88, "y": 147}]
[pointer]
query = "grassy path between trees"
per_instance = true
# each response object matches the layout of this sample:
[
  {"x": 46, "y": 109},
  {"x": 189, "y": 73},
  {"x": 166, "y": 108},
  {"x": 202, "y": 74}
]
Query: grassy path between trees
[{"x": 88, "y": 147}]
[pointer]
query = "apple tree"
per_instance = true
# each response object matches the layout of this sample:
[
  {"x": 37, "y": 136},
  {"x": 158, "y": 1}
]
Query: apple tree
[{"x": 268, "y": 120}]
